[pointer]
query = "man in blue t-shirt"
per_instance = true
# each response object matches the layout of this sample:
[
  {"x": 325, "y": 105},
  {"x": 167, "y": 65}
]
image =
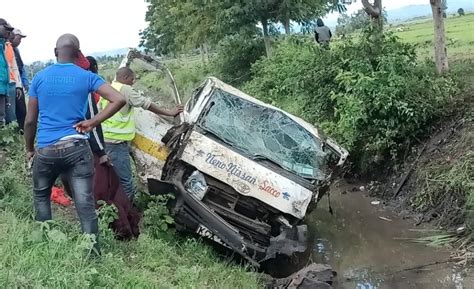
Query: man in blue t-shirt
[{"x": 58, "y": 95}]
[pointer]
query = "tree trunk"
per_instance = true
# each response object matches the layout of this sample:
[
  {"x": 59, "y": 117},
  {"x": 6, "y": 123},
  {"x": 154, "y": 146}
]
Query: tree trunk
[
  {"x": 441, "y": 56},
  {"x": 266, "y": 37},
  {"x": 374, "y": 11},
  {"x": 286, "y": 24},
  {"x": 203, "y": 57},
  {"x": 206, "y": 51}
]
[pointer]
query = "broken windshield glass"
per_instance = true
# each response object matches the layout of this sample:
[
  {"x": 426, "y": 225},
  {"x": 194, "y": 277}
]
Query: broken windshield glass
[{"x": 265, "y": 133}]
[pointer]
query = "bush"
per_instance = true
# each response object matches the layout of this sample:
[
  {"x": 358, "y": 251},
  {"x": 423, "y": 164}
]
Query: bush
[
  {"x": 235, "y": 56},
  {"x": 461, "y": 12},
  {"x": 156, "y": 217},
  {"x": 371, "y": 94}
]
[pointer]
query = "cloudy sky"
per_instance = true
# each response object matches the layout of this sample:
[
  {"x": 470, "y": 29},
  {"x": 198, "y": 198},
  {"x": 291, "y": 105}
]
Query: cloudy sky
[
  {"x": 101, "y": 25},
  {"x": 388, "y": 4}
]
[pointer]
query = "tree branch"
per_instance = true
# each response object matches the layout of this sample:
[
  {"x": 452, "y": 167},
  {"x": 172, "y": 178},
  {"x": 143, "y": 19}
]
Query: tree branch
[{"x": 375, "y": 10}]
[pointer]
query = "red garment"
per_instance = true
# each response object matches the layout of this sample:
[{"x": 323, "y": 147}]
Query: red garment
[
  {"x": 96, "y": 97},
  {"x": 58, "y": 197},
  {"x": 82, "y": 61},
  {"x": 107, "y": 188}
]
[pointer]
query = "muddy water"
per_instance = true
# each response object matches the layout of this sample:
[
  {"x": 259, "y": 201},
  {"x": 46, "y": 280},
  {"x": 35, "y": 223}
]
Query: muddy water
[{"x": 366, "y": 244}]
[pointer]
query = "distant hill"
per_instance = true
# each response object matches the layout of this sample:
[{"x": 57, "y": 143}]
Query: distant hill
[
  {"x": 413, "y": 11},
  {"x": 114, "y": 52}
]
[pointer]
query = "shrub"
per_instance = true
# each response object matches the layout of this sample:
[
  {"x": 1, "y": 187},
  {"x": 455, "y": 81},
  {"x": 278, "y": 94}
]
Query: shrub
[
  {"x": 235, "y": 56},
  {"x": 371, "y": 94},
  {"x": 156, "y": 217},
  {"x": 461, "y": 12}
]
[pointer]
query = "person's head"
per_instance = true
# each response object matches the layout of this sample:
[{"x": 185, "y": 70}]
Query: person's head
[
  {"x": 67, "y": 48},
  {"x": 93, "y": 67},
  {"x": 125, "y": 75},
  {"x": 5, "y": 29},
  {"x": 16, "y": 36},
  {"x": 319, "y": 22}
]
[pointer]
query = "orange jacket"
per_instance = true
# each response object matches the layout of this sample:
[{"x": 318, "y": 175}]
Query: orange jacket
[{"x": 14, "y": 73}]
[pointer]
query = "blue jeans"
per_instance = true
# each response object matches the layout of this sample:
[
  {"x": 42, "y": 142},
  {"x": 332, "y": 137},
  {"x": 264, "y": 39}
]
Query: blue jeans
[
  {"x": 11, "y": 107},
  {"x": 73, "y": 159},
  {"x": 3, "y": 109},
  {"x": 119, "y": 155}
]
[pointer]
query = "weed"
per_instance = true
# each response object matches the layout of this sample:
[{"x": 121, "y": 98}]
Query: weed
[{"x": 157, "y": 217}]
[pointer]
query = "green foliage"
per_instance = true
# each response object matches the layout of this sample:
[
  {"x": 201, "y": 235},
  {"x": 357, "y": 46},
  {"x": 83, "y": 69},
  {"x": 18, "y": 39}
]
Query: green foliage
[
  {"x": 8, "y": 135},
  {"x": 107, "y": 215},
  {"x": 371, "y": 94},
  {"x": 179, "y": 25},
  {"x": 350, "y": 23},
  {"x": 235, "y": 56},
  {"x": 461, "y": 12},
  {"x": 12, "y": 173},
  {"x": 156, "y": 217}
]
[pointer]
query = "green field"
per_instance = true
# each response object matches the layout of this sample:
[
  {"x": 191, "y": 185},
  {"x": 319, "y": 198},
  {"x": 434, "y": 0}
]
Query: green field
[{"x": 459, "y": 33}]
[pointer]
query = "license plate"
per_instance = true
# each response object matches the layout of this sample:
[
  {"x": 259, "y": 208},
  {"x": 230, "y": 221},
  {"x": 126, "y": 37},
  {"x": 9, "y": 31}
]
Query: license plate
[{"x": 205, "y": 232}]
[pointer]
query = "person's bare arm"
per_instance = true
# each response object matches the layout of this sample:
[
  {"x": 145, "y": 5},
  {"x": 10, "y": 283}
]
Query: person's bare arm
[
  {"x": 31, "y": 123},
  {"x": 137, "y": 99},
  {"x": 116, "y": 102},
  {"x": 160, "y": 111}
]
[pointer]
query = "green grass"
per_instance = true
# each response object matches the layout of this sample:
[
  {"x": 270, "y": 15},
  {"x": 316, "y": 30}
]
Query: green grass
[
  {"x": 459, "y": 33},
  {"x": 51, "y": 255}
]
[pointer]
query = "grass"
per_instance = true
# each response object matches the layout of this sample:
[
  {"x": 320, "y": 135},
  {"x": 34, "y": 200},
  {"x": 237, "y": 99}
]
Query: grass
[
  {"x": 51, "y": 255},
  {"x": 459, "y": 33}
]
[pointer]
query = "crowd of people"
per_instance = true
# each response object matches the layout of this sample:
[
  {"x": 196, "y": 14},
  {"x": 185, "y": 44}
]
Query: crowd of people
[
  {"x": 77, "y": 128},
  {"x": 13, "y": 78}
]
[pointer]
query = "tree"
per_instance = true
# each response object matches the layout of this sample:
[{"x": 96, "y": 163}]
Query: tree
[
  {"x": 348, "y": 24},
  {"x": 444, "y": 4},
  {"x": 374, "y": 10},
  {"x": 441, "y": 57},
  {"x": 301, "y": 11},
  {"x": 176, "y": 25},
  {"x": 461, "y": 12}
]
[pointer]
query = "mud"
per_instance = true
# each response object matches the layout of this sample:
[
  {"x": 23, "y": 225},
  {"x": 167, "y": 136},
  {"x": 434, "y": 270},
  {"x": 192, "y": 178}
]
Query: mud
[
  {"x": 368, "y": 246},
  {"x": 450, "y": 143}
]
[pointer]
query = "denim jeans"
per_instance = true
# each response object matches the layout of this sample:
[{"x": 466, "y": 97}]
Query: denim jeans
[
  {"x": 119, "y": 155},
  {"x": 21, "y": 111},
  {"x": 11, "y": 107},
  {"x": 77, "y": 165},
  {"x": 3, "y": 109}
]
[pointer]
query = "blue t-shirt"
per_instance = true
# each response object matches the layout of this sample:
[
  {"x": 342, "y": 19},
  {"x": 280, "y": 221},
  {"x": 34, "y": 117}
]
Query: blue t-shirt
[{"x": 62, "y": 90}]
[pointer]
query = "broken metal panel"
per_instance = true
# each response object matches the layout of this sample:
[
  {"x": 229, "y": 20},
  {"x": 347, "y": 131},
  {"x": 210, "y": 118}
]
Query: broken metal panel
[
  {"x": 246, "y": 176},
  {"x": 149, "y": 152}
]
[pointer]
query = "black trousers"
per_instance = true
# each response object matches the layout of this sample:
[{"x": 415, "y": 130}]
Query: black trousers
[{"x": 20, "y": 111}]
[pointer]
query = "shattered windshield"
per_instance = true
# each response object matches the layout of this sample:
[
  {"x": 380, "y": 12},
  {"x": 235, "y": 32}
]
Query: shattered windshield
[{"x": 265, "y": 134}]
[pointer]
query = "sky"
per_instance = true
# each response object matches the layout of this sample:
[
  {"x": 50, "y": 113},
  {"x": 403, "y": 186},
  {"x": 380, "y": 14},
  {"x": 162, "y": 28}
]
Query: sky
[
  {"x": 387, "y": 4},
  {"x": 100, "y": 25}
]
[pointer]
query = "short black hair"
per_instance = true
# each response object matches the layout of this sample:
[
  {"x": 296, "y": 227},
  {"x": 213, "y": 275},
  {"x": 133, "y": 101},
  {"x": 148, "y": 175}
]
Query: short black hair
[
  {"x": 93, "y": 66},
  {"x": 124, "y": 72}
]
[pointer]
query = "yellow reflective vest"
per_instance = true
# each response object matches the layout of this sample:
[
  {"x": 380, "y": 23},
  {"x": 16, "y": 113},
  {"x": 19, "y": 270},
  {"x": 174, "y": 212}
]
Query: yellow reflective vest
[{"x": 120, "y": 126}]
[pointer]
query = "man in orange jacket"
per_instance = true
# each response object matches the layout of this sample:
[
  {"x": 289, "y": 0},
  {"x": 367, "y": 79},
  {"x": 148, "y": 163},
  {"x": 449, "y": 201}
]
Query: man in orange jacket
[
  {"x": 5, "y": 30},
  {"x": 16, "y": 88}
]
